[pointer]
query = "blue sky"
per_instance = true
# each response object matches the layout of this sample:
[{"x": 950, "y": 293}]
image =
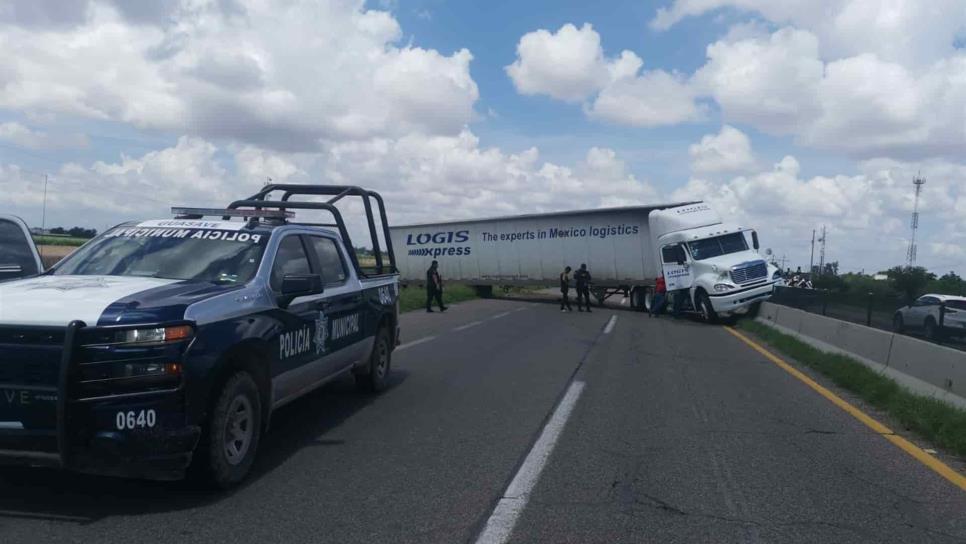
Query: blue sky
[{"x": 785, "y": 115}]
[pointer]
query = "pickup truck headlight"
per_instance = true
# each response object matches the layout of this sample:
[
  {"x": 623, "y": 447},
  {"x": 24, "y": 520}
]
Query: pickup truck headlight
[
  {"x": 723, "y": 287},
  {"x": 159, "y": 335}
]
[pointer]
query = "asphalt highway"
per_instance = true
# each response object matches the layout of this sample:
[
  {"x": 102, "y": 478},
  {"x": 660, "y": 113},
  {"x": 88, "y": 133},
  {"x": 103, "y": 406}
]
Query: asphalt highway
[{"x": 508, "y": 421}]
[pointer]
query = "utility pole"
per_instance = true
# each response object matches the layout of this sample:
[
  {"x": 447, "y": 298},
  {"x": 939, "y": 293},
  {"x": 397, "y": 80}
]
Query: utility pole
[
  {"x": 43, "y": 218},
  {"x": 821, "y": 254},
  {"x": 918, "y": 181},
  {"x": 811, "y": 260}
]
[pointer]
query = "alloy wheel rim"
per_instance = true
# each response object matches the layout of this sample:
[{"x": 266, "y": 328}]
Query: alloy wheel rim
[{"x": 239, "y": 429}]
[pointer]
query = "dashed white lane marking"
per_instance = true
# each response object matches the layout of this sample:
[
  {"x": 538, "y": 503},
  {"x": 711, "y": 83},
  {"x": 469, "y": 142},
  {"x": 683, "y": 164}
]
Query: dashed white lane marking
[
  {"x": 498, "y": 316},
  {"x": 500, "y": 525},
  {"x": 468, "y": 325},
  {"x": 610, "y": 324},
  {"x": 415, "y": 342}
]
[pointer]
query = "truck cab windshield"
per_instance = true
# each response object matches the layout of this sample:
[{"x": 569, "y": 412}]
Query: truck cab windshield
[
  {"x": 223, "y": 257},
  {"x": 719, "y": 245}
]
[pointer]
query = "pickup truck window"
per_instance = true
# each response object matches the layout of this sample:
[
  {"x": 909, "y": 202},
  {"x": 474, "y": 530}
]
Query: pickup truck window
[
  {"x": 128, "y": 251},
  {"x": 15, "y": 250},
  {"x": 719, "y": 245},
  {"x": 291, "y": 259},
  {"x": 333, "y": 268}
]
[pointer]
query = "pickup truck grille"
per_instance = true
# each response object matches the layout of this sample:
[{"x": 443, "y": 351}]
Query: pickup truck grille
[
  {"x": 30, "y": 355},
  {"x": 749, "y": 272}
]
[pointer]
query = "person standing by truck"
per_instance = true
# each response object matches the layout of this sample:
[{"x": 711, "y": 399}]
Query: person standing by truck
[
  {"x": 434, "y": 288},
  {"x": 565, "y": 291},
  {"x": 660, "y": 297},
  {"x": 582, "y": 278}
]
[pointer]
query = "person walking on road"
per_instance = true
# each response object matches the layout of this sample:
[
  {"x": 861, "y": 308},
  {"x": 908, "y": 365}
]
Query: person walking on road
[
  {"x": 582, "y": 278},
  {"x": 434, "y": 288},
  {"x": 565, "y": 291},
  {"x": 660, "y": 297}
]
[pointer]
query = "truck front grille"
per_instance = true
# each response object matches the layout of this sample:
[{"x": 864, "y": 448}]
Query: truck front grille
[
  {"x": 30, "y": 355},
  {"x": 749, "y": 272}
]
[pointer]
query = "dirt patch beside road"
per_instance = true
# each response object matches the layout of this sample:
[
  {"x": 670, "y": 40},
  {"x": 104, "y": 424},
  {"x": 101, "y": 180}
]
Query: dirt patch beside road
[{"x": 52, "y": 254}]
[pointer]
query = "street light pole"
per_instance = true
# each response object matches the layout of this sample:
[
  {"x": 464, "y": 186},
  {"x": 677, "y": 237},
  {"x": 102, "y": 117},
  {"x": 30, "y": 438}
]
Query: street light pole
[{"x": 43, "y": 218}]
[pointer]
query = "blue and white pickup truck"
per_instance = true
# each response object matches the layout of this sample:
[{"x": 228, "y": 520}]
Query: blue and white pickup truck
[{"x": 166, "y": 342}]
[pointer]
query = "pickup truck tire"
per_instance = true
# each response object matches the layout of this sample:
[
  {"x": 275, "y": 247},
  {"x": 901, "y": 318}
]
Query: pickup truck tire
[
  {"x": 376, "y": 375},
  {"x": 234, "y": 430},
  {"x": 705, "y": 308}
]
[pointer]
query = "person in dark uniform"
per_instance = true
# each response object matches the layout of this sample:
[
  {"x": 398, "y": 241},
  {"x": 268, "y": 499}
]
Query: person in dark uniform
[
  {"x": 582, "y": 278},
  {"x": 565, "y": 291},
  {"x": 434, "y": 288}
]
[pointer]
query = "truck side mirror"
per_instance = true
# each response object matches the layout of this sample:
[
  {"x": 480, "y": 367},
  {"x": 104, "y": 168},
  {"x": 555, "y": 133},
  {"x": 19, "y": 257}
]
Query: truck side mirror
[
  {"x": 754, "y": 240},
  {"x": 299, "y": 285}
]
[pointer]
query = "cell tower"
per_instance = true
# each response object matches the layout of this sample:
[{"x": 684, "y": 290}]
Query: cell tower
[{"x": 918, "y": 181}]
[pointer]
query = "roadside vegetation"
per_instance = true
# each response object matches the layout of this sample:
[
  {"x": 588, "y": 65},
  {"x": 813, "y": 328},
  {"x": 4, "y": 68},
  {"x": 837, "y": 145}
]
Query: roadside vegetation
[
  {"x": 414, "y": 297},
  {"x": 51, "y": 240},
  {"x": 934, "y": 420}
]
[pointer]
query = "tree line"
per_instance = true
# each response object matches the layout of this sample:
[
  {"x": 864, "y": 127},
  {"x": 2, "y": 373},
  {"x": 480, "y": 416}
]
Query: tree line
[
  {"x": 76, "y": 232},
  {"x": 905, "y": 282}
]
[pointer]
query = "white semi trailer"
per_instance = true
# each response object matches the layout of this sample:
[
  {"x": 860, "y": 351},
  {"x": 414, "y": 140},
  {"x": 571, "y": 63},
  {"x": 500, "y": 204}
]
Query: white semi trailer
[{"x": 625, "y": 249}]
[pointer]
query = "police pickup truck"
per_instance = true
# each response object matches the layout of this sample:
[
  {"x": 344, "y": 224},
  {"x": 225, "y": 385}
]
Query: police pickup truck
[{"x": 168, "y": 342}]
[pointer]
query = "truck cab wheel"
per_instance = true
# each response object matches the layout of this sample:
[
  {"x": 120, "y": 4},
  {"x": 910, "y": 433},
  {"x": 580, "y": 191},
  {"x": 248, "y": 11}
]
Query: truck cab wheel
[
  {"x": 375, "y": 376},
  {"x": 705, "y": 308},
  {"x": 234, "y": 430}
]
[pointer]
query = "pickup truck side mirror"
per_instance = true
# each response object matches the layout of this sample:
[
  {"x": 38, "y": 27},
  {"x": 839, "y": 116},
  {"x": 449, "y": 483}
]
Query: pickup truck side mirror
[
  {"x": 299, "y": 285},
  {"x": 754, "y": 240}
]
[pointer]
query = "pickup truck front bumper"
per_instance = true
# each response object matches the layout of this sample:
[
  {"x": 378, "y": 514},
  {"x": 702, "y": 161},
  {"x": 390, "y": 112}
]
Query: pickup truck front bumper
[
  {"x": 740, "y": 299},
  {"x": 55, "y": 422}
]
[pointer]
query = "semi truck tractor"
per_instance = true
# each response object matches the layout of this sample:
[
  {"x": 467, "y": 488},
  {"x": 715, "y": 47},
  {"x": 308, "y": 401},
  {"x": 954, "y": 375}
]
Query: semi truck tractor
[{"x": 715, "y": 265}]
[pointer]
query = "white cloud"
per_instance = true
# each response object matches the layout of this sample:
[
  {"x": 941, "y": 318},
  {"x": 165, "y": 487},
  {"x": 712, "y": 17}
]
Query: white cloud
[
  {"x": 861, "y": 105},
  {"x": 28, "y": 138},
  {"x": 570, "y": 65},
  {"x": 221, "y": 73},
  {"x": 655, "y": 98},
  {"x": 867, "y": 213},
  {"x": 911, "y": 32},
  {"x": 727, "y": 151}
]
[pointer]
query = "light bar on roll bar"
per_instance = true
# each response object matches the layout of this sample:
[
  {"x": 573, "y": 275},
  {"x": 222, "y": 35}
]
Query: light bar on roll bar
[{"x": 198, "y": 213}]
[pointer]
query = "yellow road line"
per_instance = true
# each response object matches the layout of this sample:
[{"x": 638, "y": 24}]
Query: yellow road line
[{"x": 935, "y": 464}]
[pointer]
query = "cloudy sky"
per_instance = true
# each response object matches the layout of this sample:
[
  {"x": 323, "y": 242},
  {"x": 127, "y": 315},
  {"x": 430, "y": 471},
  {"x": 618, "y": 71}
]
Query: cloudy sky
[{"x": 786, "y": 114}]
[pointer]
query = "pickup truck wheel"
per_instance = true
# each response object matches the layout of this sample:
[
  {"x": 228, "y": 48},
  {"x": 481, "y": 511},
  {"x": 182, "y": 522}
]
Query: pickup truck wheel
[
  {"x": 380, "y": 362},
  {"x": 234, "y": 429},
  {"x": 706, "y": 309}
]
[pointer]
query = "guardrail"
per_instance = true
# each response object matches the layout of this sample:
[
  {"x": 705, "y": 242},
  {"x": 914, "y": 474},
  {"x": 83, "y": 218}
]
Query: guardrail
[
  {"x": 923, "y": 367},
  {"x": 865, "y": 308}
]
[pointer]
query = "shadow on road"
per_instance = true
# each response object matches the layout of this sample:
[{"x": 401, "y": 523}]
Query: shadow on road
[{"x": 37, "y": 493}]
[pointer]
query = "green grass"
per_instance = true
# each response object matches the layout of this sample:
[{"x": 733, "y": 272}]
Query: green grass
[
  {"x": 936, "y": 421},
  {"x": 59, "y": 240},
  {"x": 414, "y": 297}
]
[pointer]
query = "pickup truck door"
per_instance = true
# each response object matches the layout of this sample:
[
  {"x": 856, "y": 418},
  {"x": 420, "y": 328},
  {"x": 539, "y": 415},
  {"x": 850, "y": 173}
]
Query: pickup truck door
[
  {"x": 677, "y": 270},
  {"x": 301, "y": 361},
  {"x": 342, "y": 305},
  {"x": 18, "y": 254}
]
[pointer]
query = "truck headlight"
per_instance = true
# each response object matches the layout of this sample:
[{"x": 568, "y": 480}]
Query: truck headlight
[
  {"x": 723, "y": 287},
  {"x": 158, "y": 335},
  {"x": 777, "y": 275}
]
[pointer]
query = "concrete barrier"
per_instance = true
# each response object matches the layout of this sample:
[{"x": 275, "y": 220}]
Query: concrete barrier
[{"x": 922, "y": 367}]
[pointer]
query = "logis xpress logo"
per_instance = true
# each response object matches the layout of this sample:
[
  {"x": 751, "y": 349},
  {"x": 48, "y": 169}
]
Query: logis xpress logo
[{"x": 438, "y": 239}]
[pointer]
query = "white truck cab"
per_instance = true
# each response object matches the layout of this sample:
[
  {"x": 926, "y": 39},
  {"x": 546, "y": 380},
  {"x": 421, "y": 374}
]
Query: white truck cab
[{"x": 712, "y": 260}]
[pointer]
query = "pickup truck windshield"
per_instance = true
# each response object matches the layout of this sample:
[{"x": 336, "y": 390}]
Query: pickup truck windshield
[
  {"x": 204, "y": 255},
  {"x": 719, "y": 245}
]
